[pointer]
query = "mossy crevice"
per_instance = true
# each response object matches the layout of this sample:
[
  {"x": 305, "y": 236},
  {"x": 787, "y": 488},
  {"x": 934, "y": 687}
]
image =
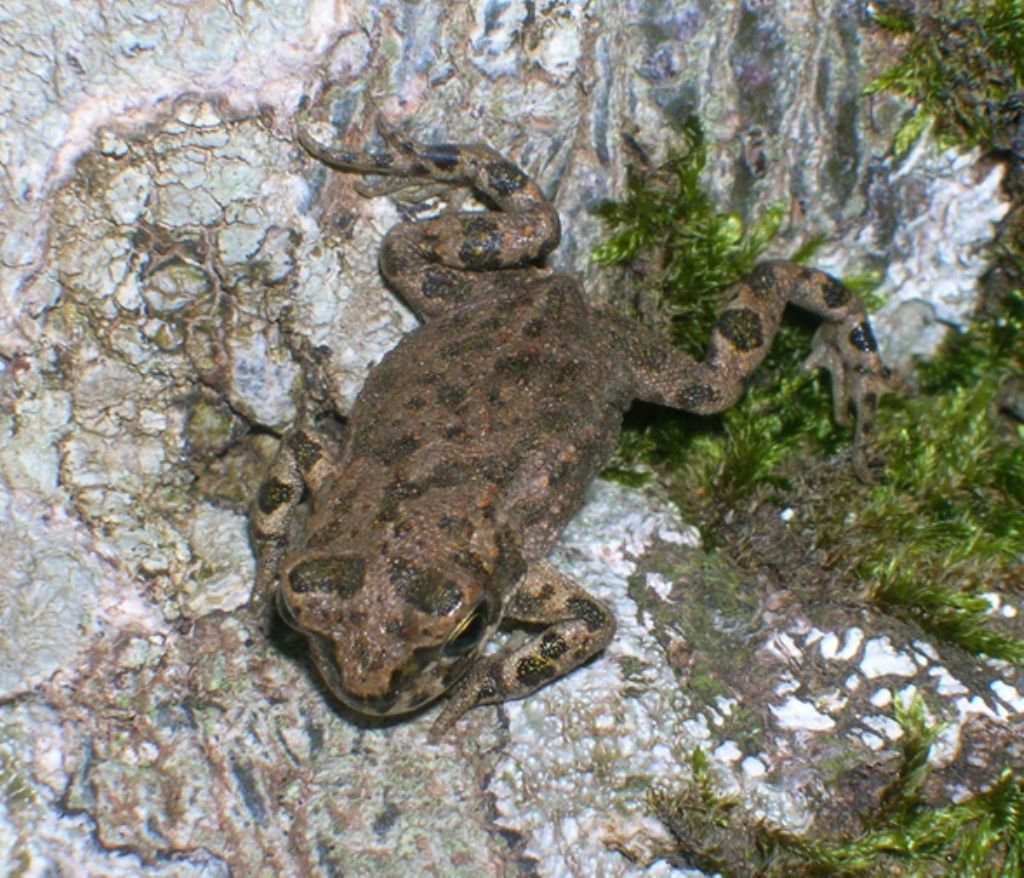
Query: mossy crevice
[
  {"x": 962, "y": 64},
  {"x": 934, "y": 540},
  {"x": 904, "y": 835}
]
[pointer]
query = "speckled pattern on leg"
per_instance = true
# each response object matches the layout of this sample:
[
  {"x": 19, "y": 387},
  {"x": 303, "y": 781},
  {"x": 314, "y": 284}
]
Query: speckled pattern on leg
[
  {"x": 742, "y": 336},
  {"x": 437, "y": 264}
]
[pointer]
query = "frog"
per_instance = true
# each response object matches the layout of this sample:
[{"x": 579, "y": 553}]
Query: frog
[{"x": 400, "y": 544}]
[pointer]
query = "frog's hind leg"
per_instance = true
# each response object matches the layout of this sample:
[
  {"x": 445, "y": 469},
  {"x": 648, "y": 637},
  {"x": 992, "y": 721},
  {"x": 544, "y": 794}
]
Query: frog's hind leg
[
  {"x": 436, "y": 264},
  {"x": 844, "y": 344},
  {"x": 303, "y": 462}
]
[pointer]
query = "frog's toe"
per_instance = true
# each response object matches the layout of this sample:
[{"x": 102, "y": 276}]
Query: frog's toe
[
  {"x": 859, "y": 378},
  {"x": 478, "y": 687},
  {"x": 394, "y": 138}
]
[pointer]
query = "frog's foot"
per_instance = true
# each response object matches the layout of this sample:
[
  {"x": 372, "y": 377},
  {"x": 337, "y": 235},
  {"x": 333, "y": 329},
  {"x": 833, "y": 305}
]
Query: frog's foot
[
  {"x": 404, "y": 157},
  {"x": 344, "y": 159},
  {"x": 859, "y": 378},
  {"x": 577, "y": 627},
  {"x": 480, "y": 686}
]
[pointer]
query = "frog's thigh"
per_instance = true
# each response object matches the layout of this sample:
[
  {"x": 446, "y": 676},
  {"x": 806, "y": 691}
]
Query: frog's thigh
[
  {"x": 665, "y": 375},
  {"x": 577, "y": 627},
  {"x": 302, "y": 461}
]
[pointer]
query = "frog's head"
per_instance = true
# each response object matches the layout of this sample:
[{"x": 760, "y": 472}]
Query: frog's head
[{"x": 390, "y": 634}]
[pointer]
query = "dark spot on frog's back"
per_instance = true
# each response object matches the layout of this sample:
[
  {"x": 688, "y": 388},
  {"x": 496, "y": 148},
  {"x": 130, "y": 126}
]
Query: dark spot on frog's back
[
  {"x": 476, "y": 343},
  {"x": 515, "y": 366},
  {"x": 555, "y": 420},
  {"x": 534, "y": 328},
  {"x": 427, "y": 591},
  {"x": 397, "y": 491},
  {"x": 450, "y": 395},
  {"x": 342, "y": 575},
  {"x": 449, "y": 473},
  {"x": 404, "y": 489},
  {"x": 741, "y": 327},
  {"x": 568, "y": 372},
  {"x": 273, "y": 493},
  {"x": 501, "y": 469},
  {"x": 393, "y": 452}
]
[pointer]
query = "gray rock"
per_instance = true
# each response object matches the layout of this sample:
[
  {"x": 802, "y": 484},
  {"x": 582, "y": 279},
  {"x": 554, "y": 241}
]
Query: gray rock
[{"x": 165, "y": 283}]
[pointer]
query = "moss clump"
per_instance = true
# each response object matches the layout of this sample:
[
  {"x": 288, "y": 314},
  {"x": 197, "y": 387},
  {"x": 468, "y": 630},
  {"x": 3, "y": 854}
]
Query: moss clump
[
  {"x": 981, "y": 837},
  {"x": 963, "y": 66},
  {"x": 713, "y": 833},
  {"x": 687, "y": 255},
  {"x": 944, "y": 523},
  {"x": 699, "y": 251},
  {"x": 947, "y": 523}
]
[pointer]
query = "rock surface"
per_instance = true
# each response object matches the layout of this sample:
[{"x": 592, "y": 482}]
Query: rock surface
[{"x": 167, "y": 277}]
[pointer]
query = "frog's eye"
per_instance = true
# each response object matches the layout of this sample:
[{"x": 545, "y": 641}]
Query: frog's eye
[{"x": 465, "y": 638}]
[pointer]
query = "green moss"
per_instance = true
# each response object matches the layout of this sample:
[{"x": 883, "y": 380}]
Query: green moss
[
  {"x": 700, "y": 251},
  {"x": 720, "y": 608},
  {"x": 982, "y": 837},
  {"x": 946, "y": 523},
  {"x": 711, "y": 830},
  {"x": 949, "y": 503},
  {"x": 904, "y": 835},
  {"x": 963, "y": 66},
  {"x": 687, "y": 255}
]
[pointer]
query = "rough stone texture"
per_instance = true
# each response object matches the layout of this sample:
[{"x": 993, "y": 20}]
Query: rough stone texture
[{"x": 171, "y": 268}]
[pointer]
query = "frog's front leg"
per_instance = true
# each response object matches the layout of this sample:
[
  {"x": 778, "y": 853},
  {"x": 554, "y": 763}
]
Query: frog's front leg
[
  {"x": 844, "y": 344},
  {"x": 577, "y": 627},
  {"x": 303, "y": 463}
]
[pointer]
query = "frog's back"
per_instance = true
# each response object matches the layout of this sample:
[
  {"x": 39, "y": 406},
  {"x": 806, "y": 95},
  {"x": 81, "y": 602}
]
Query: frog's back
[{"x": 505, "y": 407}]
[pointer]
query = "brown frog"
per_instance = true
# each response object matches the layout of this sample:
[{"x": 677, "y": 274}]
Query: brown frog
[{"x": 470, "y": 447}]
